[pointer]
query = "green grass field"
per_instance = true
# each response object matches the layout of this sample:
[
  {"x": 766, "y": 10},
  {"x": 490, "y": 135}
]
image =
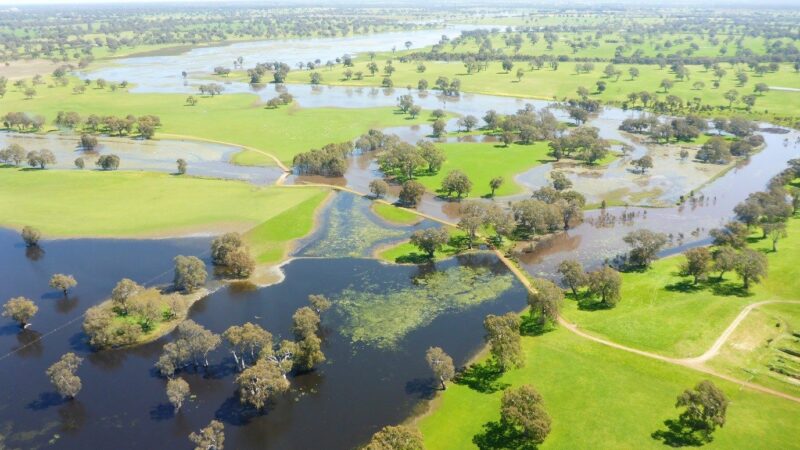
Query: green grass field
[
  {"x": 661, "y": 312},
  {"x": 234, "y": 118},
  {"x": 483, "y": 161},
  {"x": 548, "y": 84},
  {"x": 138, "y": 204},
  {"x": 268, "y": 239},
  {"x": 599, "y": 397},
  {"x": 393, "y": 214}
]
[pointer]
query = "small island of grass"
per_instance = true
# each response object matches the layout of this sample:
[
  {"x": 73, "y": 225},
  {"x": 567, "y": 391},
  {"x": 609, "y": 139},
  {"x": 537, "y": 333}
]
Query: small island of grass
[{"x": 395, "y": 215}]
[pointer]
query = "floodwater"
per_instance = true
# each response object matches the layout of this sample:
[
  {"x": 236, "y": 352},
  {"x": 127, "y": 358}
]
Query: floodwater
[
  {"x": 372, "y": 377},
  {"x": 205, "y": 159},
  {"x": 156, "y": 73}
]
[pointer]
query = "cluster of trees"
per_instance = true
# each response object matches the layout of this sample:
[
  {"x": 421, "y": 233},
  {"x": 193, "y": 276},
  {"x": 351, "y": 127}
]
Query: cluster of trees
[
  {"x": 36, "y": 158},
  {"x": 231, "y": 254},
  {"x": 142, "y": 308},
  {"x": 403, "y": 160},
  {"x": 145, "y": 125},
  {"x": 548, "y": 210},
  {"x": 718, "y": 150},
  {"x": 23, "y": 121},
  {"x": 13, "y": 154},
  {"x": 211, "y": 89},
  {"x": 329, "y": 161},
  {"x": 680, "y": 129},
  {"x": 284, "y": 98},
  {"x": 604, "y": 284},
  {"x": 405, "y": 103},
  {"x": 527, "y": 125},
  {"x": 768, "y": 210},
  {"x": 262, "y": 363},
  {"x": 582, "y": 143}
]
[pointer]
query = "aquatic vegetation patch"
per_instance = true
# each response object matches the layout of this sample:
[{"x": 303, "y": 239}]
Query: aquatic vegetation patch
[
  {"x": 382, "y": 319},
  {"x": 349, "y": 231}
]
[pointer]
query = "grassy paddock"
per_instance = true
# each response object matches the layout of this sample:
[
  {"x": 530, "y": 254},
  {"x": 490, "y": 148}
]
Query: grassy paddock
[
  {"x": 395, "y": 215},
  {"x": 662, "y": 312},
  {"x": 483, "y": 161},
  {"x": 596, "y": 398},
  {"x": 268, "y": 241},
  {"x": 137, "y": 204}
]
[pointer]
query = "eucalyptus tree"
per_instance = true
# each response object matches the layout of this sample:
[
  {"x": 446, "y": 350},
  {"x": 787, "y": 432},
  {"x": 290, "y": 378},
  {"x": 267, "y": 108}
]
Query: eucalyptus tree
[
  {"x": 441, "y": 365},
  {"x": 62, "y": 375}
]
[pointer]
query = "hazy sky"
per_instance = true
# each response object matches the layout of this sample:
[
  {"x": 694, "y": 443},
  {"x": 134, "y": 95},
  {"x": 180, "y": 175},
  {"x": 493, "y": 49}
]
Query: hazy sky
[{"x": 413, "y": 3}]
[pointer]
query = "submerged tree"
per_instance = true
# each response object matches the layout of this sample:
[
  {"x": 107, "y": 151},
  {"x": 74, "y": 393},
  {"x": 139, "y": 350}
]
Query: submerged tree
[
  {"x": 247, "y": 342},
  {"x": 177, "y": 391},
  {"x": 31, "y": 236},
  {"x": 645, "y": 245},
  {"x": 260, "y": 382},
  {"x": 211, "y": 437},
  {"x": 62, "y": 282},
  {"x": 21, "y": 310},
  {"x": 62, "y": 375},
  {"x": 319, "y": 303},
  {"x": 190, "y": 273},
  {"x": 441, "y": 365}
]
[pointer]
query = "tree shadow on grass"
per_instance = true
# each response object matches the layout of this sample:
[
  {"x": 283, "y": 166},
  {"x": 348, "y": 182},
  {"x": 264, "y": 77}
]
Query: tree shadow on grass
[
  {"x": 685, "y": 286},
  {"x": 499, "y": 435},
  {"x": 730, "y": 290},
  {"x": 679, "y": 434},
  {"x": 482, "y": 377},
  {"x": 532, "y": 326},
  {"x": 591, "y": 304}
]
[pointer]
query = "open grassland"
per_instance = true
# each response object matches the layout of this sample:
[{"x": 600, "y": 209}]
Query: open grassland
[
  {"x": 268, "y": 240},
  {"x": 599, "y": 397},
  {"x": 393, "y": 214},
  {"x": 483, "y": 161},
  {"x": 141, "y": 204},
  {"x": 765, "y": 348},
  {"x": 661, "y": 311},
  {"x": 547, "y": 84},
  {"x": 233, "y": 118}
]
